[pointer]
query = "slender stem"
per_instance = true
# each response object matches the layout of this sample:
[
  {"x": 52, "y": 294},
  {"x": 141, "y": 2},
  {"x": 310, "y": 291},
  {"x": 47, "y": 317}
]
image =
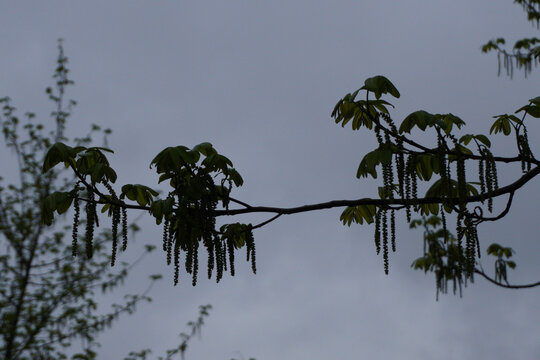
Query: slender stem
[
  {"x": 434, "y": 151},
  {"x": 240, "y": 202},
  {"x": 385, "y": 202},
  {"x": 511, "y": 188},
  {"x": 508, "y": 286},
  {"x": 266, "y": 222}
]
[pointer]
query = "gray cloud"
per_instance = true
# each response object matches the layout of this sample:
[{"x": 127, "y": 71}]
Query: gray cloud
[{"x": 259, "y": 80}]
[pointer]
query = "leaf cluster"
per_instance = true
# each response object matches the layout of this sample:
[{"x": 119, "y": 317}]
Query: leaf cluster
[
  {"x": 526, "y": 52},
  {"x": 404, "y": 163},
  {"x": 187, "y": 212}
]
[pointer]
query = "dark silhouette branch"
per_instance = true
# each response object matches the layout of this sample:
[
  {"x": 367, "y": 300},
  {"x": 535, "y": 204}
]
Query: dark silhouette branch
[
  {"x": 240, "y": 202},
  {"x": 479, "y": 216},
  {"x": 508, "y": 189},
  {"x": 507, "y": 286},
  {"x": 386, "y": 202},
  {"x": 425, "y": 149},
  {"x": 265, "y": 222}
]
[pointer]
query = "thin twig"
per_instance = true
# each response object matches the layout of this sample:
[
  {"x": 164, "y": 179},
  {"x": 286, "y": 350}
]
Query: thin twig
[{"x": 508, "y": 286}]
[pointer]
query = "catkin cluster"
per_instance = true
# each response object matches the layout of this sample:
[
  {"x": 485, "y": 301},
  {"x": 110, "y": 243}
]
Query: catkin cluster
[
  {"x": 448, "y": 163},
  {"x": 193, "y": 223},
  {"x": 525, "y": 151},
  {"x": 487, "y": 174},
  {"x": 91, "y": 217},
  {"x": 75, "y": 229},
  {"x": 115, "y": 211},
  {"x": 118, "y": 214}
]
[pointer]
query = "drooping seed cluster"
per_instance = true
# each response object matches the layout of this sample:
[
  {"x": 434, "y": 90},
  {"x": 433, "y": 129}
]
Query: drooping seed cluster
[
  {"x": 250, "y": 249},
  {"x": 524, "y": 150},
  {"x": 441, "y": 256},
  {"x": 523, "y": 60},
  {"x": 91, "y": 217},
  {"x": 124, "y": 229},
  {"x": 377, "y": 235},
  {"x": 410, "y": 179},
  {"x": 189, "y": 223},
  {"x": 444, "y": 172},
  {"x": 115, "y": 214},
  {"x": 397, "y": 152},
  {"x": 193, "y": 223},
  {"x": 385, "y": 230},
  {"x": 452, "y": 187},
  {"x": 75, "y": 229},
  {"x": 487, "y": 169},
  {"x": 466, "y": 228}
]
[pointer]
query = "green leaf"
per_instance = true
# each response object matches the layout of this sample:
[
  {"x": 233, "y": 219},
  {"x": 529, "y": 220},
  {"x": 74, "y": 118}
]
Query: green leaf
[
  {"x": 532, "y": 110},
  {"x": 483, "y": 139},
  {"x": 58, "y": 201},
  {"x": 103, "y": 172},
  {"x": 507, "y": 252},
  {"x": 465, "y": 139},
  {"x": 358, "y": 214},
  {"x": 494, "y": 249},
  {"x": 171, "y": 159},
  {"x": 380, "y": 85},
  {"x": 94, "y": 163},
  {"x": 368, "y": 164},
  {"x": 367, "y": 211},
  {"x": 205, "y": 149},
  {"x": 502, "y": 123},
  {"x": 449, "y": 120},
  {"x": 140, "y": 193},
  {"x": 58, "y": 153},
  {"x": 236, "y": 232},
  {"x": 378, "y": 104},
  {"x": 161, "y": 208},
  {"x": 424, "y": 167},
  {"x": 427, "y": 209},
  {"x": 421, "y": 119},
  {"x": 100, "y": 148},
  {"x": 235, "y": 177},
  {"x": 105, "y": 208},
  {"x": 360, "y": 112},
  {"x": 471, "y": 189},
  {"x": 535, "y": 101},
  {"x": 216, "y": 161}
]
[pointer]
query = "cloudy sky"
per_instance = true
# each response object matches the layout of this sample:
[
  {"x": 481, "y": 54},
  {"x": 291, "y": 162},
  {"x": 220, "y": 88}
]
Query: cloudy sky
[{"x": 259, "y": 79}]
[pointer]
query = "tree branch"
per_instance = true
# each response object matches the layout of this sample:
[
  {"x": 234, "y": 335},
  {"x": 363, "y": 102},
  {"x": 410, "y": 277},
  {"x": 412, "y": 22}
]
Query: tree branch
[
  {"x": 386, "y": 202},
  {"x": 508, "y": 286},
  {"x": 449, "y": 152},
  {"x": 266, "y": 222}
]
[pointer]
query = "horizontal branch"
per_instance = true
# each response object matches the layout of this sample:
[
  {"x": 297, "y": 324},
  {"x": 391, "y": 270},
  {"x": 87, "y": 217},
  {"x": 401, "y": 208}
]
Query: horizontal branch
[
  {"x": 435, "y": 151},
  {"x": 384, "y": 202},
  {"x": 248, "y": 209}
]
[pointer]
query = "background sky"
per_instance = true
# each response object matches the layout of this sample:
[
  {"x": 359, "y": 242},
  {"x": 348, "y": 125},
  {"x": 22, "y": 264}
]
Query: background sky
[{"x": 259, "y": 79}]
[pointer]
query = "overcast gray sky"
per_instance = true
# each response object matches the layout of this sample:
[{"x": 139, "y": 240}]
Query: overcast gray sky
[{"x": 258, "y": 79}]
